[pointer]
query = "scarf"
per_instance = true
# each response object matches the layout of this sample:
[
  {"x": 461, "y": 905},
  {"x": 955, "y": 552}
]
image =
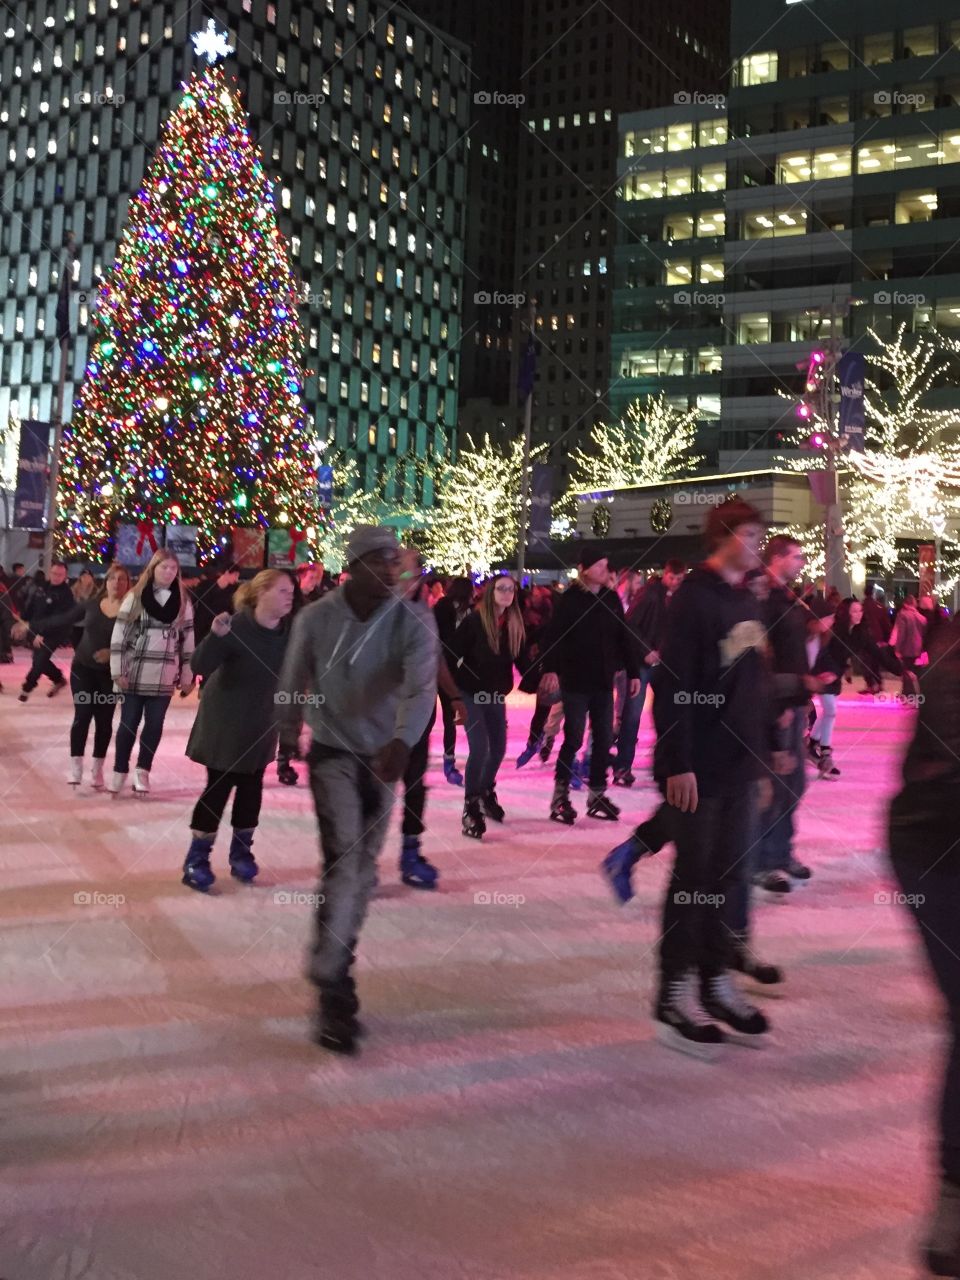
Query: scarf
[{"x": 165, "y": 613}]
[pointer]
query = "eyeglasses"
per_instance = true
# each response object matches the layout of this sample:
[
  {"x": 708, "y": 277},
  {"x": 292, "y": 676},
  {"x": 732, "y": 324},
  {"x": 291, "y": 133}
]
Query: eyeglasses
[{"x": 505, "y": 586}]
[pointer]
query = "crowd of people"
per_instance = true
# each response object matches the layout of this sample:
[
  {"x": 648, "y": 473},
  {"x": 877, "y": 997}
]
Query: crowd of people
[{"x": 742, "y": 660}]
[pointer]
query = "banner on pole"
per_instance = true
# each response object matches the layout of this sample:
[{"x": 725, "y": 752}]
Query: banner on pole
[
  {"x": 927, "y": 555},
  {"x": 852, "y": 372},
  {"x": 541, "y": 495},
  {"x": 325, "y": 486},
  {"x": 33, "y": 476}
]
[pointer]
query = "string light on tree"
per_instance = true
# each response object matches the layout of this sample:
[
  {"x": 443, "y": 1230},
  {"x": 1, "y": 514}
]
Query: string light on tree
[
  {"x": 190, "y": 409},
  {"x": 653, "y": 442}
]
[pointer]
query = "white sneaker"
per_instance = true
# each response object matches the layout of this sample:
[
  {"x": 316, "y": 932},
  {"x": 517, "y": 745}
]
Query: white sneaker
[
  {"x": 141, "y": 781},
  {"x": 96, "y": 773},
  {"x": 75, "y": 776},
  {"x": 117, "y": 783}
]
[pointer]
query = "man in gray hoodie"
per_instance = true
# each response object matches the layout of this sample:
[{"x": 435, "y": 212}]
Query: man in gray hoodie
[{"x": 361, "y": 669}]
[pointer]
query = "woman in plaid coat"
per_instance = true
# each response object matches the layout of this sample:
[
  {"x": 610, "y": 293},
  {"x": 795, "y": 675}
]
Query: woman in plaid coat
[{"x": 149, "y": 657}]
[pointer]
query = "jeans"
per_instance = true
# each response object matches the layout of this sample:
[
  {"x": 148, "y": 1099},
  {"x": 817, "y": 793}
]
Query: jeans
[
  {"x": 936, "y": 912},
  {"x": 822, "y": 729},
  {"x": 93, "y": 703},
  {"x": 776, "y": 838},
  {"x": 487, "y": 740},
  {"x": 42, "y": 666},
  {"x": 414, "y": 788},
  {"x": 630, "y": 722},
  {"x": 449, "y": 725},
  {"x": 577, "y": 707},
  {"x": 738, "y": 913},
  {"x": 708, "y": 871},
  {"x": 247, "y": 799},
  {"x": 353, "y": 812},
  {"x": 152, "y": 709}
]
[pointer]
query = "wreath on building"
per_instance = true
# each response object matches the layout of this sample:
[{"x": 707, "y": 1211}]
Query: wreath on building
[
  {"x": 601, "y": 521},
  {"x": 661, "y": 516}
]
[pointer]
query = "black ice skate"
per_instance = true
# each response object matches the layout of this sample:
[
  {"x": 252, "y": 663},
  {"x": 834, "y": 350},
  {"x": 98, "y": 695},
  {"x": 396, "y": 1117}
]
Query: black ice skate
[
  {"x": 681, "y": 1021},
  {"x": 742, "y": 1022}
]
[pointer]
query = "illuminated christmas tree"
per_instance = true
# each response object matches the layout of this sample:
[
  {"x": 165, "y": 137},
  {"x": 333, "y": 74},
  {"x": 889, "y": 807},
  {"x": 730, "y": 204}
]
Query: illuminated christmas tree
[
  {"x": 652, "y": 443},
  {"x": 190, "y": 410}
]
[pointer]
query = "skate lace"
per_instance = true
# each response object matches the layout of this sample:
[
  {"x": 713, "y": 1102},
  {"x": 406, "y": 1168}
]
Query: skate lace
[
  {"x": 684, "y": 996},
  {"x": 724, "y": 990}
]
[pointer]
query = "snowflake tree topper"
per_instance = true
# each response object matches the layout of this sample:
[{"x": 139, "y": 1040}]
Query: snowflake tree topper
[{"x": 211, "y": 43}]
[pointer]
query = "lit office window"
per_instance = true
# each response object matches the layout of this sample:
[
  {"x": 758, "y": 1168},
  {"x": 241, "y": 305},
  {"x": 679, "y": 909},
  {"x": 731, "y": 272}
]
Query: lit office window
[{"x": 758, "y": 68}]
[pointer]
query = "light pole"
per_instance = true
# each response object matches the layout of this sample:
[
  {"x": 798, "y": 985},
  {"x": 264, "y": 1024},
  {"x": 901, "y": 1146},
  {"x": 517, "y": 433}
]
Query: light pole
[
  {"x": 529, "y": 329},
  {"x": 938, "y": 523},
  {"x": 63, "y": 338}
]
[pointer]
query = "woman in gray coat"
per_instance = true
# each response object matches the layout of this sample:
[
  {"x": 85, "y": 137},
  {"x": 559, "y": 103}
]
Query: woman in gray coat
[{"x": 235, "y": 732}]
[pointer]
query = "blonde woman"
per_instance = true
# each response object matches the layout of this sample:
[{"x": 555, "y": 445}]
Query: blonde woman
[
  {"x": 149, "y": 657},
  {"x": 235, "y": 732},
  {"x": 485, "y": 648}
]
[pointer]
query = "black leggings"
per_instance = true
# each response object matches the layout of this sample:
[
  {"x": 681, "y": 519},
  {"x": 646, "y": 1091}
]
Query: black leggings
[
  {"x": 93, "y": 702},
  {"x": 449, "y": 725},
  {"x": 247, "y": 800},
  {"x": 414, "y": 788}
]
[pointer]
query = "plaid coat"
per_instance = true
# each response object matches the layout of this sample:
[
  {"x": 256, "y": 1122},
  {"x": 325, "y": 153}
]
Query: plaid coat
[{"x": 148, "y": 653}]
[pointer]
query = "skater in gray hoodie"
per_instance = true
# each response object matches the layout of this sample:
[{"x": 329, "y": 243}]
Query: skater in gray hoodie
[{"x": 361, "y": 669}]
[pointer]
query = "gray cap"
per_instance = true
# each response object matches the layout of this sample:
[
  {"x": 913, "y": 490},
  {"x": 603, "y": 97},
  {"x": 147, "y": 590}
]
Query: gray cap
[{"x": 368, "y": 538}]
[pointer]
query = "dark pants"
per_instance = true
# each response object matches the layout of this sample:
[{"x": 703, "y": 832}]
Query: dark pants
[
  {"x": 152, "y": 709},
  {"x": 353, "y": 813},
  {"x": 709, "y": 867},
  {"x": 449, "y": 725},
  {"x": 910, "y": 686},
  {"x": 776, "y": 823},
  {"x": 935, "y": 906},
  {"x": 630, "y": 722},
  {"x": 247, "y": 798},
  {"x": 577, "y": 707},
  {"x": 538, "y": 720},
  {"x": 414, "y": 787},
  {"x": 93, "y": 703},
  {"x": 487, "y": 740},
  {"x": 6, "y": 628},
  {"x": 42, "y": 666}
]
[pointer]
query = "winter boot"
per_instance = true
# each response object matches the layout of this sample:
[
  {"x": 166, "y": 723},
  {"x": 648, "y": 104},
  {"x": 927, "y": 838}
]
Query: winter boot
[
  {"x": 96, "y": 772},
  {"x": 491, "y": 805},
  {"x": 415, "y": 870},
  {"x": 600, "y": 806},
  {"x": 825, "y": 766},
  {"x": 529, "y": 751},
  {"x": 287, "y": 774},
  {"x": 196, "y": 867},
  {"x": 141, "y": 781},
  {"x": 619, "y": 863},
  {"x": 473, "y": 822},
  {"x": 451, "y": 772},
  {"x": 561, "y": 810},
  {"x": 546, "y": 749},
  {"x": 243, "y": 865},
  {"x": 681, "y": 1021},
  {"x": 745, "y": 961},
  {"x": 723, "y": 1001},
  {"x": 75, "y": 775},
  {"x": 117, "y": 782},
  {"x": 337, "y": 1028},
  {"x": 942, "y": 1248}
]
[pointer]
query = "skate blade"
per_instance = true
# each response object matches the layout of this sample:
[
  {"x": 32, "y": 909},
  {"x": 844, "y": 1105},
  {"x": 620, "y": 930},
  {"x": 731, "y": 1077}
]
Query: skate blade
[
  {"x": 746, "y": 1041},
  {"x": 668, "y": 1036}
]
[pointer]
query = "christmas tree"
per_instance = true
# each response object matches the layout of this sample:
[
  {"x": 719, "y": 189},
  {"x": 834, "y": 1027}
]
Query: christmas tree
[{"x": 190, "y": 409}]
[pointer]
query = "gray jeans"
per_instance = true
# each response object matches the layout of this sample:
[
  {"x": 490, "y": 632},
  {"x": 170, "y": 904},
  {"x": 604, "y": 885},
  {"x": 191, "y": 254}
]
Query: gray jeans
[{"x": 353, "y": 811}]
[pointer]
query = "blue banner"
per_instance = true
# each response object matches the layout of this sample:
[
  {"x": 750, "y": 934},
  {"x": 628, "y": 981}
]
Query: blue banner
[
  {"x": 33, "y": 476},
  {"x": 852, "y": 372},
  {"x": 541, "y": 493},
  {"x": 325, "y": 486}
]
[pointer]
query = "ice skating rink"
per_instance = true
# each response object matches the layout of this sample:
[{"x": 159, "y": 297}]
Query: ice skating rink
[{"x": 511, "y": 1116}]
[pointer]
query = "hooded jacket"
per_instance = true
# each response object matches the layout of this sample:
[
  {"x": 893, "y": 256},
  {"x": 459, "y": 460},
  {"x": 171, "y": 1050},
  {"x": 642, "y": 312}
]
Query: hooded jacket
[
  {"x": 359, "y": 684},
  {"x": 711, "y": 694}
]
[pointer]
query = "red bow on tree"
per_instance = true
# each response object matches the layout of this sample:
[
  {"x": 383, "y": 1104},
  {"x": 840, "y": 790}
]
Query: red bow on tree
[
  {"x": 296, "y": 536},
  {"x": 145, "y": 530}
]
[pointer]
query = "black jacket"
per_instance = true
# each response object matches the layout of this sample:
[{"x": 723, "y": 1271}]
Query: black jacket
[
  {"x": 832, "y": 656},
  {"x": 449, "y": 618},
  {"x": 647, "y": 618},
  {"x": 587, "y": 641},
  {"x": 475, "y": 666},
  {"x": 785, "y": 617},
  {"x": 47, "y": 603},
  {"x": 711, "y": 688},
  {"x": 209, "y": 601}
]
